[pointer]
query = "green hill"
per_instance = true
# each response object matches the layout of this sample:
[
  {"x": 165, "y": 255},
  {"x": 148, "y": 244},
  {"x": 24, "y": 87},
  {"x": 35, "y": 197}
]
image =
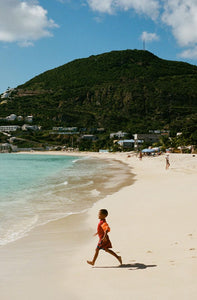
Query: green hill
[{"x": 131, "y": 90}]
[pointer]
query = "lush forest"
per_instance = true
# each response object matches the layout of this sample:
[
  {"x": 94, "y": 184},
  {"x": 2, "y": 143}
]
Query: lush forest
[{"x": 130, "y": 90}]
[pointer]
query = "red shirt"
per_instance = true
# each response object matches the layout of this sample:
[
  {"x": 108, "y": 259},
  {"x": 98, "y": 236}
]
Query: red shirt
[{"x": 102, "y": 228}]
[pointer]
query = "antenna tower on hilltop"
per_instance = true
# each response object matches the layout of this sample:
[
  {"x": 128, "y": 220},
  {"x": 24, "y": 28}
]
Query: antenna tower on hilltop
[{"x": 144, "y": 44}]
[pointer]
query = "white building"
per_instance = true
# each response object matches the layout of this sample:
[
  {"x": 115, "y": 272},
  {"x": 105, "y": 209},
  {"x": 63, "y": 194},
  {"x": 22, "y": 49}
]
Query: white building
[
  {"x": 26, "y": 127},
  {"x": 4, "y": 147},
  {"x": 7, "y": 94},
  {"x": 126, "y": 143},
  {"x": 29, "y": 119},
  {"x": 65, "y": 128},
  {"x": 118, "y": 134},
  {"x": 11, "y": 117},
  {"x": 129, "y": 143},
  {"x": 9, "y": 128}
]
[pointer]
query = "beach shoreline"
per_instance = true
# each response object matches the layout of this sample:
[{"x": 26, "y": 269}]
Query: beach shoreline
[
  {"x": 153, "y": 227},
  {"x": 47, "y": 195}
]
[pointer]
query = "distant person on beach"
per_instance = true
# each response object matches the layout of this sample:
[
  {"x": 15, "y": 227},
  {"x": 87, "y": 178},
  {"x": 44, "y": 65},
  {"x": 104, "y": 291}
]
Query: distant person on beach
[
  {"x": 104, "y": 241},
  {"x": 167, "y": 161},
  {"x": 140, "y": 155}
]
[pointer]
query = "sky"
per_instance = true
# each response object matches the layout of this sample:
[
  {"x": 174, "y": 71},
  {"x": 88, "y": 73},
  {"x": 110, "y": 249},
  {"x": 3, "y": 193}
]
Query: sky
[{"x": 39, "y": 35}]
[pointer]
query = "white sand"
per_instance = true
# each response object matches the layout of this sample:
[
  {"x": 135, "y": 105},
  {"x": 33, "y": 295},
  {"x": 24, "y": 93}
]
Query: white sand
[{"x": 153, "y": 226}]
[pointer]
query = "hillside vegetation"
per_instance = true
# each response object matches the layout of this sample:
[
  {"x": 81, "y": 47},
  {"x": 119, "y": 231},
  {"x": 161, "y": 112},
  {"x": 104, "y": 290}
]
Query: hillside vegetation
[{"x": 131, "y": 90}]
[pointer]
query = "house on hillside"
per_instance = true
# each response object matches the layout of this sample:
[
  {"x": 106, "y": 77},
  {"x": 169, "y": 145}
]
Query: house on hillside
[
  {"x": 128, "y": 143},
  {"x": 65, "y": 130},
  {"x": 146, "y": 137},
  {"x": 11, "y": 117},
  {"x": 5, "y": 147},
  {"x": 8, "y": 128},
  {"x": 29, "y": 119},
  {"x": 27, "y": 127},
  {"x": 7, "y": 93},
  {"x": 69, "y": 129},
  {"x": 118, "y": 134}
]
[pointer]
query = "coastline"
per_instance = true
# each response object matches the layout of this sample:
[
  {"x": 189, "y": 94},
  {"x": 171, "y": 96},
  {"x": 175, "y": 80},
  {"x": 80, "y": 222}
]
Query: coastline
[
  {"x": 56, "y": 187},
  {"x": 153, "y": 226}
]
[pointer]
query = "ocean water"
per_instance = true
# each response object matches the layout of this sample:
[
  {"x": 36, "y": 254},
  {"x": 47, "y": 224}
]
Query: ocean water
[{"x": 36, "y": 189}]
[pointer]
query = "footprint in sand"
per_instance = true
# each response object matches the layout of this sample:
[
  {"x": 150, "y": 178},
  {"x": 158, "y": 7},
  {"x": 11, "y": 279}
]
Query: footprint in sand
[
  {"x": 149, "y": 251},
  {"x": 190, "y": 234},
  {"x": 192, "y": 249}
]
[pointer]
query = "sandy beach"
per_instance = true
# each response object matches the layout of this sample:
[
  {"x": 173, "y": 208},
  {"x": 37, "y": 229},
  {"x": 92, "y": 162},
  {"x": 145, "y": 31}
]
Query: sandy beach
[{"x": 153, "y": 227}]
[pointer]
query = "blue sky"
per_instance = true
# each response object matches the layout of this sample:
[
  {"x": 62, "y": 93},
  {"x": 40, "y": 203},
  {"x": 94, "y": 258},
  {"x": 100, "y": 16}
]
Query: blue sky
[{"x": 36, "y": 36}]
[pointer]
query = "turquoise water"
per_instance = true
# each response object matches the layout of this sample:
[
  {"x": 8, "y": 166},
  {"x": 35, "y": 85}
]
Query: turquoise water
[
  {"x": 19, "y": 172},
  {"x": 36, "y": 189}
]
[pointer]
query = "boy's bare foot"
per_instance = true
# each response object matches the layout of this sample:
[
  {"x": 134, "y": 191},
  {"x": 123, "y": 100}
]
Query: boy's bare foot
[
  {"x": 120, "y": 259},
  {"x": 90, "y": 262}
]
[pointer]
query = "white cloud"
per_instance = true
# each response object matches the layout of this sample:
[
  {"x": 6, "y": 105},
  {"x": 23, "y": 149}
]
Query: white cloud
[
  {"x": 181, "y": 16},
  {"x": 147, "y": 7},
  {"x": 23, "y": 22},
  {"x": 189, "y": 53},
  {"x": 103, "y": 6},
  {"x": 149, "y": 37}
]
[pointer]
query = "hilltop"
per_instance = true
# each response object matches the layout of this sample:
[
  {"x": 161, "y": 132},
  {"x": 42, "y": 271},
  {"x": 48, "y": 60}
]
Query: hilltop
[{"x": 132, "y": 90}]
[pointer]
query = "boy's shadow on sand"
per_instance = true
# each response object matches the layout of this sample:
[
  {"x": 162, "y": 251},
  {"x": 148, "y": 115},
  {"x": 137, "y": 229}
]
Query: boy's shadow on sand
[{"x": 136, "y": 266}]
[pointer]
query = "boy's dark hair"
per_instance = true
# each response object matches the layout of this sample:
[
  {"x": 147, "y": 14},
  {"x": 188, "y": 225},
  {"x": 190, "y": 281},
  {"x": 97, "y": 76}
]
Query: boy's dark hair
[{"x": 104, "y": 212}]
